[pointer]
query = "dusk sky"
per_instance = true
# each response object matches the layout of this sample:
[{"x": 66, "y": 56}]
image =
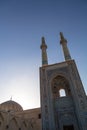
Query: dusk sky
[{"x": 22, "y": 24}]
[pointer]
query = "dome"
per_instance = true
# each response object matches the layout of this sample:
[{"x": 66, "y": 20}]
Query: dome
[{"x": 11, "y": 106}]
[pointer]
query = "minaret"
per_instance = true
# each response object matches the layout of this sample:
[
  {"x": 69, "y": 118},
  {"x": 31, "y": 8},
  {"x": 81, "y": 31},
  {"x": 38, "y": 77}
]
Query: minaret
[
  {"x": 44, "y": 53},
  {"x": 63, "y": 42}
]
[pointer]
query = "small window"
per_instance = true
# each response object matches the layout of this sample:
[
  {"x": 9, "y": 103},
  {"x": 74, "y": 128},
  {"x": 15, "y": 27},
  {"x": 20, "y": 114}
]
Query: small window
[
  {"x": 62, "y": 93},
  {"x": 39, "y": 116}
]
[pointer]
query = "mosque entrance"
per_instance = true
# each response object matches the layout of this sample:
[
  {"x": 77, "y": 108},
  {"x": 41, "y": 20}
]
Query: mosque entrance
[{"x": 69, "y": 127}]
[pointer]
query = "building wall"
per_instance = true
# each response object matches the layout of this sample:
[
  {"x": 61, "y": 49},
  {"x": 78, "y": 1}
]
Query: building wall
[
  {"x": 26, "y": 120},
  {"x": 62, "y": 113}
]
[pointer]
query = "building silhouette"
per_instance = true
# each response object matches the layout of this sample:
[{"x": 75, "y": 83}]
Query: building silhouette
[{"x": 62, "y": 95}]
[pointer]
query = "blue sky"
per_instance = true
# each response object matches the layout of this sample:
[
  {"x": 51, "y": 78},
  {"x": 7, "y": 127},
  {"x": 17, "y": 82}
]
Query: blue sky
[{"x": 22, "y": 24}]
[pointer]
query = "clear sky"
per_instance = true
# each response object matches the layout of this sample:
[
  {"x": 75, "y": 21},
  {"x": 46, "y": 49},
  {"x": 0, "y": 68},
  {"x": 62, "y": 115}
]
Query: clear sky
[{"x": 22, "y": 24}]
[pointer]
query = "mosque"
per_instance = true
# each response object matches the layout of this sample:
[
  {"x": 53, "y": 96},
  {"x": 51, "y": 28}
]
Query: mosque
[{"x": 62, "y": 96}]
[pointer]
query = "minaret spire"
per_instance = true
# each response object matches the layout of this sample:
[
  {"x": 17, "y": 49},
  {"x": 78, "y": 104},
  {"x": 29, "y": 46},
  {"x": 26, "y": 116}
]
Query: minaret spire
[
  {"x": 44, "y": 53},
  {"x": 63, "y": 42}
]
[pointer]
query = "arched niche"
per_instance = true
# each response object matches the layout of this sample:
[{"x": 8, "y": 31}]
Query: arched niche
[
  {"x": 1, "y": 121},
  {"x": 1, "y": 117},
  {"x": 60, "y": 87},
  {"x": 23, "y": 126},
  {"x": 13, "y": 125}
]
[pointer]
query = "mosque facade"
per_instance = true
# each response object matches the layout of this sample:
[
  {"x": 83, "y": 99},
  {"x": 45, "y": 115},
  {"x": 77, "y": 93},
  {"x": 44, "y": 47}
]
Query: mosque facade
[{"x": 62, "y": 96}]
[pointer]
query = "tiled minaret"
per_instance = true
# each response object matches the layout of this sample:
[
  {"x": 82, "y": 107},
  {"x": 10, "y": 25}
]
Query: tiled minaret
[
  {"x": 63, "y": 42},
  {"x": 44, "y": 53}
]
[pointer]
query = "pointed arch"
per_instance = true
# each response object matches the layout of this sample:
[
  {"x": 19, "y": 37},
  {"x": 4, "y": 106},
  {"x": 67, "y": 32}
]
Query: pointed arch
[
  {"x": 1, "y": 116},
  {"x": 60, "y": 86},
  {"x": 15, "y": 121},
  {"x": 13, "y": 124},
  {"x": 24, "y": 125},
  {"x": 1, "y": 120}
]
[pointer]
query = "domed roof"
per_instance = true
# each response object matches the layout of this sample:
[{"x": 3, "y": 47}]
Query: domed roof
[{"x": 11, "y": 106}]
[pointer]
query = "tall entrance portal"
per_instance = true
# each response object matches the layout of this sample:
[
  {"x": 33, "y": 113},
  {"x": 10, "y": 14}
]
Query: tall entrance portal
[{"x": 63, "y": 99}]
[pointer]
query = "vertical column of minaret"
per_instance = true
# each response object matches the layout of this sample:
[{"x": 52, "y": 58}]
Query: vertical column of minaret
[
  {"x": 44, "y": 53},
  {"x": 63, "y": 42}
]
